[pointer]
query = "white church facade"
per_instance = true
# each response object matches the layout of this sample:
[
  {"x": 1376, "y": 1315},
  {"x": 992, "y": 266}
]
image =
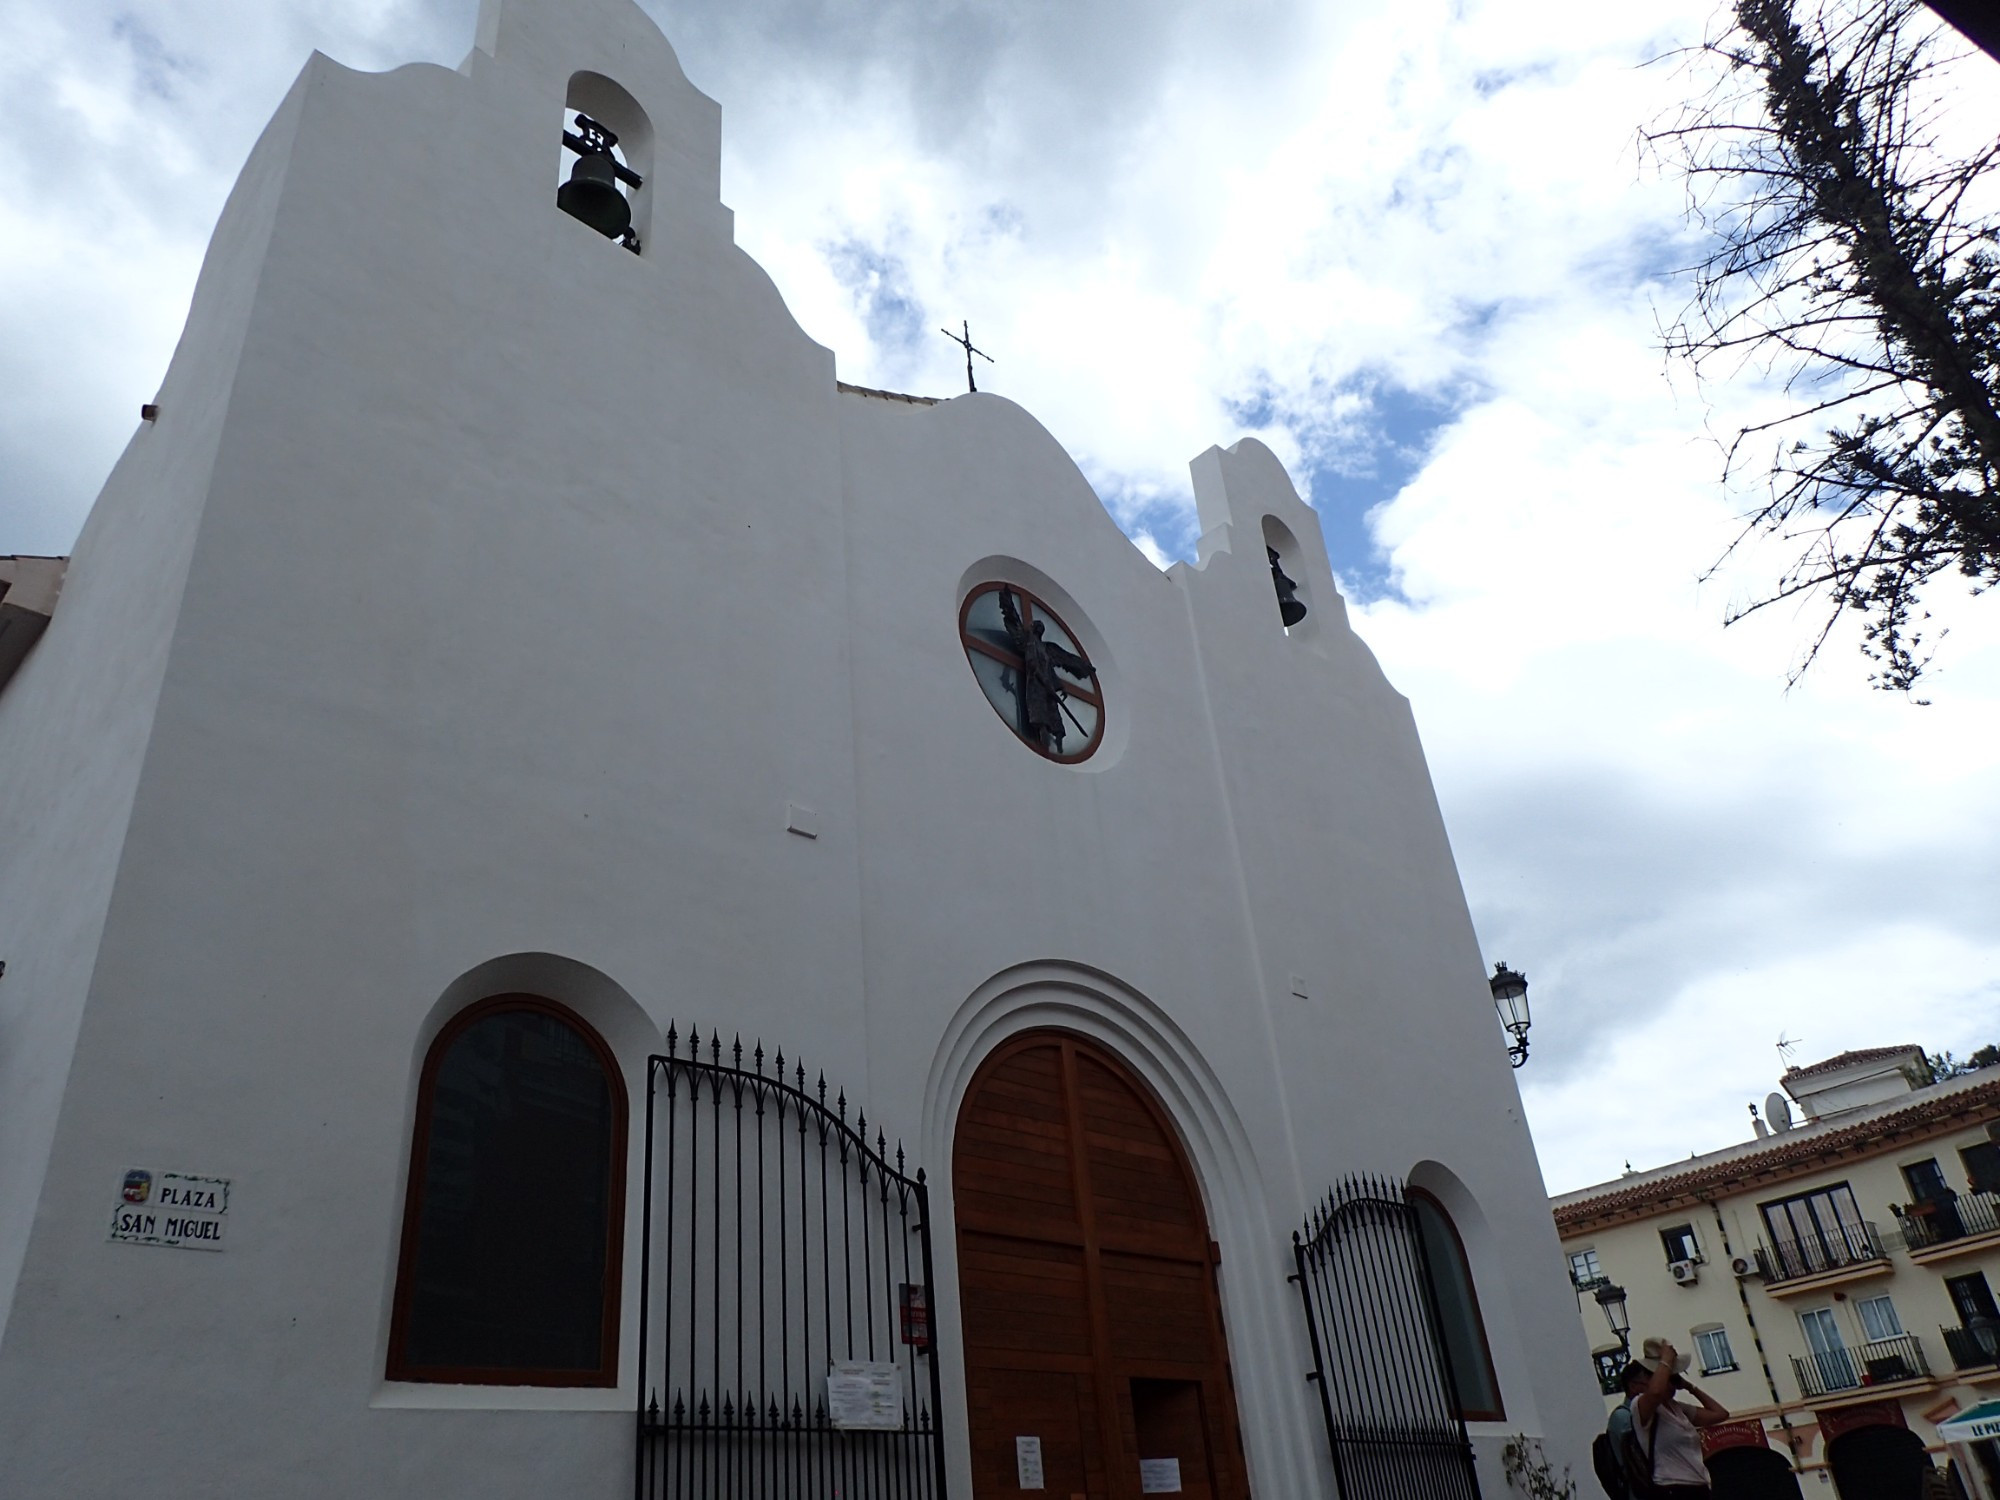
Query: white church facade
[{"x": 508, "y": 692}]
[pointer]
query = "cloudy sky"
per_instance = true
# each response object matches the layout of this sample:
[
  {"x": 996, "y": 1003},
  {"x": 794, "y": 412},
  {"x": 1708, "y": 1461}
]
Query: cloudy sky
[{"x": 1411, "y": 245}]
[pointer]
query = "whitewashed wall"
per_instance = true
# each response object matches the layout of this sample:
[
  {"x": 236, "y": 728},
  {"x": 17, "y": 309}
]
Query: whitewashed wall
[{"x": 527, "y": 583}]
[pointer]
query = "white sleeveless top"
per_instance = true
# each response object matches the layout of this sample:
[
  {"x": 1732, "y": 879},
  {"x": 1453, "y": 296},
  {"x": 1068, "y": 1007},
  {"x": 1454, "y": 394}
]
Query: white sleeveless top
[{"x": 1677, "y": 1459}]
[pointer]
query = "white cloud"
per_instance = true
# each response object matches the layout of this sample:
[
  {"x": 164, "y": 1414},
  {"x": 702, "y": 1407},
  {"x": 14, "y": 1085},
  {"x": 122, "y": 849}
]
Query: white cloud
[{"x": 1171, "y": 223}]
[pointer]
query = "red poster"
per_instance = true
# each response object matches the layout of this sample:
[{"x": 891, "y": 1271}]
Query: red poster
[{"x": 916, "y": 1303}]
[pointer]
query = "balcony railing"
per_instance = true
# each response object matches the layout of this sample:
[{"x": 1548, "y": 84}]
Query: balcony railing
[
  {"x": 1878, "y": 1362},
  {"x": 1934, "y": 1223},
  {"x": 1847, "y": 1245},
  {"x": 1964, "y": 1347}
]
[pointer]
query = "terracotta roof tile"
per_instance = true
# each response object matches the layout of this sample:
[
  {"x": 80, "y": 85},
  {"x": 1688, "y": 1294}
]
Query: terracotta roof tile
[
  {"x": 1849, "y": 1059},
  {"x": 862, "y": 390},
  {"x": 1794, "y": 1153}
]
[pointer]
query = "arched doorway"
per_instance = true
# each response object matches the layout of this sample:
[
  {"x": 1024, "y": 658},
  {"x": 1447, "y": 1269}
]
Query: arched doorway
[
  {"x": 1752, "y": 1473},
  {"x": 1094, "y": 1354},
  {"x": 1878, "y": 1463}
]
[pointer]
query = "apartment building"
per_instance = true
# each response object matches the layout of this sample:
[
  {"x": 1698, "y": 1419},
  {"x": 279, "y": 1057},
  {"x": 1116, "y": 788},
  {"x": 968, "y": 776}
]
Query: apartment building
[{"x": 1834, "y": 1278}]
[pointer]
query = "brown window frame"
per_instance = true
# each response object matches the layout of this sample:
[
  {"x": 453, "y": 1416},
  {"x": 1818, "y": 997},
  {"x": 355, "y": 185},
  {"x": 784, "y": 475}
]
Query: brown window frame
[
  {"x": 1030, "y": 602},
  {"x": 1498, "y": 1413},
  {"x": 606, "y": 1374}
]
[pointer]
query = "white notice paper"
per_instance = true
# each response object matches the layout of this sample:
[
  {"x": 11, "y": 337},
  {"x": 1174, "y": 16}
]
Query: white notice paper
[
  {"x": 1028, "y": 1459},
  {"x": 1159, "y": 1476},
  {"x": 864, "y": 1393}
]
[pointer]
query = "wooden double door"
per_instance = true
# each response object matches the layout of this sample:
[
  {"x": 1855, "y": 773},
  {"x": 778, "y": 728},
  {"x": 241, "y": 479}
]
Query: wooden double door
[{"x": 1095, "y": 1360}]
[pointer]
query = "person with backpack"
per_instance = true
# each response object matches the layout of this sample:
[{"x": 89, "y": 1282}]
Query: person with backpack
[{"x": 1651, "y": 1449}]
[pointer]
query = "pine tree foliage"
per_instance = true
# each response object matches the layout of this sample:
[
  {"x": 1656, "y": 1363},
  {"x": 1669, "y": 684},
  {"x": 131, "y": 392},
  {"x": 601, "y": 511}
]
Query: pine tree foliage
[{"x": 1856, "y": 262}]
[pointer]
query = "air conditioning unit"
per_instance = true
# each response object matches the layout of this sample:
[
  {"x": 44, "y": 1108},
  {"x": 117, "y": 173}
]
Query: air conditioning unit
[
  {"x": 1686, "y": 1272},
  {"x": 1743, "y": 1267}
]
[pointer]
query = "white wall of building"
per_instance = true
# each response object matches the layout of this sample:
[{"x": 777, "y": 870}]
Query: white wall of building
[{"x": 528, "y": 583}]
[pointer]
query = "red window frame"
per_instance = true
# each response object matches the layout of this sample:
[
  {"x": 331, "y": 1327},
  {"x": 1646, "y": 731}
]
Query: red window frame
[
  {"x": 1031, "y": 604},
  {"x": 606, "y": 1373}
]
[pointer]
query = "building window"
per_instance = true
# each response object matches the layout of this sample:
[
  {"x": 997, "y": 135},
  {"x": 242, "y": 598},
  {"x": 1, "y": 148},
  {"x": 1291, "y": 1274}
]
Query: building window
[
  {"x": 1982, "y": 1166},
  {"x": 1610, "y": 1365},
  {"x": 1458, "y": 1312},
  {"x": 1829, "y": 1360},
  {"x": 1818, "y": 1230},
  {"x": 1878, "y": 1318},
  {"x": 1971, "y": 1296},
  {"x": 1681, "y": 1243},
  {"x": 1584, "y": 1271},
  {"x": 1033, "y": 671},
  {"x": 514, "y": 1215},
  {"x": 1926, "y": 1181},
  {"x": 1712, "y": 1347}
]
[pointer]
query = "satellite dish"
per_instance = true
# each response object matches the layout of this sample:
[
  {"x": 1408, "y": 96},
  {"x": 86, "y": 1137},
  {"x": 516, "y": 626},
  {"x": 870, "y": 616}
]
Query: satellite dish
[{"x": 1778, "y": 1110}]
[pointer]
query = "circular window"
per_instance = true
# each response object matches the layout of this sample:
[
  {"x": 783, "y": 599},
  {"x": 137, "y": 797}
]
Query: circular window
[{"x": 1033, "y": 671}]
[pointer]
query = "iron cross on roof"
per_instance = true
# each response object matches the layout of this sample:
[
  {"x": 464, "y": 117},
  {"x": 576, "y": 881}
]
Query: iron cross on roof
[{"x": 965, "y": 338}]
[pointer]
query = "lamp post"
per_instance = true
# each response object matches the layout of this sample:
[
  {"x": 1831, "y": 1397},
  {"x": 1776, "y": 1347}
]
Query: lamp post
[
  {"x": 1510, "y": 999},
  {"x": 1985, "y": 1331},
  {"x": 1611, "y": 1297}
]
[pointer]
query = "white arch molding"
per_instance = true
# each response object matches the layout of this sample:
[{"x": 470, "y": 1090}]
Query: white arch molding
[
  {"x": 1268, "y": 1352},
  {"x": 1496, "y": 1300},
  {"x": 612, "y": 1012}
]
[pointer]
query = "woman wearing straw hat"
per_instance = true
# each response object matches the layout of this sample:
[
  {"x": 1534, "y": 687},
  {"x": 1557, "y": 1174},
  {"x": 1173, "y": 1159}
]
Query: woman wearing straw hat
[{"x": 1664, "y": 1427}]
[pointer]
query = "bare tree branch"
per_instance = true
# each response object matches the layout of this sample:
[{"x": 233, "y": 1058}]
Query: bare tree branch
[{"x": 1845, "y": 260}]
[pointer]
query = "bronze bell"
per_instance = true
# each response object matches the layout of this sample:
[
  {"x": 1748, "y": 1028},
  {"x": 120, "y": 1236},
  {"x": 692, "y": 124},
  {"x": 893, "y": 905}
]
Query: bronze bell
[
  {"x": 1290, "y": 608},
  {"x": 592, "y": 195}
]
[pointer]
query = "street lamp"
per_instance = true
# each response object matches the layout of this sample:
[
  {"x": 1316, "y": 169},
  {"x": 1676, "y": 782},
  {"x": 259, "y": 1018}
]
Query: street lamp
[
  {"x": 1510, "y": 999},
  {"x": 1985, "y": 1331},
  {"x": 1611, "y": 1297}
]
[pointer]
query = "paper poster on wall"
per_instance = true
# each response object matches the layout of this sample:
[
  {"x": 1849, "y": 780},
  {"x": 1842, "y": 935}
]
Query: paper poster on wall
[
  {"x": 1159, "y": 1476},
  {"x": 1028, "y": 1462},
  {"x": 865, "y": 1394},
  {"x": 176, "y": 1209}
]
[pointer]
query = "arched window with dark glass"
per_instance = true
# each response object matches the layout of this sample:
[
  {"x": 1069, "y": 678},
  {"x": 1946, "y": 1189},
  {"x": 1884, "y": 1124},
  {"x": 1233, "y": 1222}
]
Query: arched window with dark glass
[
  {"x": 513, "y": 1220},
  {"x": 1458, "y": 1312}
]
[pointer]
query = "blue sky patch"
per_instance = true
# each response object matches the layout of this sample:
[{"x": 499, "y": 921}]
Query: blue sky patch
[
  {"x": 880, "y": 286},
  {"x": 1361, "y": 440}
]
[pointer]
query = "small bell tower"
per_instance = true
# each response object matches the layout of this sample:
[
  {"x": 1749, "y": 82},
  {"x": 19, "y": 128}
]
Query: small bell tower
[{"x": 593, "y": 193}]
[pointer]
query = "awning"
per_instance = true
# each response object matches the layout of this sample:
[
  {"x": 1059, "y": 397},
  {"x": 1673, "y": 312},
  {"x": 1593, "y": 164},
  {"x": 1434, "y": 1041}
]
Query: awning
[{"x": 1983, "y": 1421}]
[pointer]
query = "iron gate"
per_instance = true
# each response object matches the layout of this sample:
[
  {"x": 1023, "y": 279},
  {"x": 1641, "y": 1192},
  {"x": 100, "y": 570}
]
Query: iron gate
[
  {"x": 785, "y": 1345},
  {"x": 1379, "y": 1360}
]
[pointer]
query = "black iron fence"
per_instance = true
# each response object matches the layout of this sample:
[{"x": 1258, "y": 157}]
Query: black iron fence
[
  {"x": 1940, "y": 1221},
  {"x": 1829, "y": 1250},
  {"x": 1968, "y": 1351},
  {"x": 785, "y": 1348},
  {"x": 1877, "y": 1362},
  {"x": 1379, "y": 1360}
]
